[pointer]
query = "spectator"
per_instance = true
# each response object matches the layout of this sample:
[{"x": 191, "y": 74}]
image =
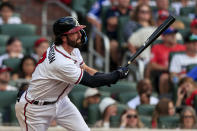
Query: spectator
[
  {"x": 95, "y": 19},
  {"x": 188, "y": 118},
  {"x": 5, "y": 79},
  {"x": 144, "y": 89},
  {"x": 186, "y": 92},
  {"x": 94, "y": 15},
  {"x": 91, "y": 96},
  {"x": 40, "y": 46},
  {"x": 148, "y": 2},
  {"x": 165, "y": 107},
  {"x": 179, "y": 62},
  {"x": 122, "y": 9},
  {"x": 107, "y": 108},
  {"x": 130, "y": 119},
  {"x": 141, "y": 17},
  {"x": 160, "y": 58},
  {"x": 193, "y": 27},
  {"x": 6, "y": 11},
  {"x": 143, "y": 33},
  {"x": 177, "y": 5},
  {"x": 27, "y": 67},
  {"x": 13, "y": 50},
  {"x": 163, "y": 5}
]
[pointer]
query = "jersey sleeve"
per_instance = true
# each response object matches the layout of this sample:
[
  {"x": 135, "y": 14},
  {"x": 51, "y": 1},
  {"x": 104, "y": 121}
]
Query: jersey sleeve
[{"x": 69, "y": 73}]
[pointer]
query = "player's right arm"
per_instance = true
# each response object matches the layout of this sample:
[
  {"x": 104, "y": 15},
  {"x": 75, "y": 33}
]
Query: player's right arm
[
  {"x": 102, "y": 79},
  {"x": 88, "y": 69}
]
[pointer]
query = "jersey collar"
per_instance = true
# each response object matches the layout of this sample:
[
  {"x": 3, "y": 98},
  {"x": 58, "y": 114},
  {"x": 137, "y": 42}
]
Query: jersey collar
[{"x": 61, "y": 50}]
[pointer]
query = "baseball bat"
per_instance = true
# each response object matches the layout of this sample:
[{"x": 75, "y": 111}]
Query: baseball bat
[{"x": 153, "y": 37}]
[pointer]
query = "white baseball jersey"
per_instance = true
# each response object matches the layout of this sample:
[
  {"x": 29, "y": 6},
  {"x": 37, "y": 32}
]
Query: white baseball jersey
[
  {"x": 56, "y": 74},
  {"x": 180, "y": 62}
]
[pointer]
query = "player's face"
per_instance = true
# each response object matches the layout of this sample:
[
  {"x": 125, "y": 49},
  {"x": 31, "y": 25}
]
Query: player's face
[{"x": 74, "y": 39}]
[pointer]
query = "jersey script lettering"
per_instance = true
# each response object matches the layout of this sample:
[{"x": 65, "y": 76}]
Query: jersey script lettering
[{"x": 51, "y": 55}]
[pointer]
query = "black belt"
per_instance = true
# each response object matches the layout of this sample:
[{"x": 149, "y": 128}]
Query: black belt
[{"x": 43, "y": 103}]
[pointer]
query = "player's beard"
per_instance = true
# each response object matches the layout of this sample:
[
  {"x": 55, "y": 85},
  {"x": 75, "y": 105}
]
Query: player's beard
[{"x": 74, "y": 43}]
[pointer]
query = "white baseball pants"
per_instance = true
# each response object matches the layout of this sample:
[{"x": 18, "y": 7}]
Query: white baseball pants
[{"x": 38, "y": 117}]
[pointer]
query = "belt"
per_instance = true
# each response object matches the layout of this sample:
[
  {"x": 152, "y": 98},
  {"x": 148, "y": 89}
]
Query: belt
[{"x": 43, "y": 102}]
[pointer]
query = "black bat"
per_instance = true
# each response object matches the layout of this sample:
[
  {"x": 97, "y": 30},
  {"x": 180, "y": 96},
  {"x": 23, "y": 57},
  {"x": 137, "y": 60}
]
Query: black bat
[{"x": 153, "y": 37}]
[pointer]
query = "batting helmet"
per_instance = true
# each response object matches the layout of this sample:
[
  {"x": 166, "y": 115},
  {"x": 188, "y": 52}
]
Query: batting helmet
[{"x": 68, "y": 25}]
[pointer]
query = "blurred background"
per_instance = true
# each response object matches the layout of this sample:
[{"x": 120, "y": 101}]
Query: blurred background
[{"x": 160, "y": 91}]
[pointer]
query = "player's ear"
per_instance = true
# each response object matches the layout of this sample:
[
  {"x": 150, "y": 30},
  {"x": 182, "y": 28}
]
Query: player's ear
[{"x": 64, "y": 39}]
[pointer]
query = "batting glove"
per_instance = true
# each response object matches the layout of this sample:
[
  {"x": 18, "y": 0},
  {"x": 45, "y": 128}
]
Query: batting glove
[{"x": 123, "y": 72}]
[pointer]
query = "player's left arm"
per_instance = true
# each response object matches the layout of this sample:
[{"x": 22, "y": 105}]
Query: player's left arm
[{"x": 88, "y": 69}]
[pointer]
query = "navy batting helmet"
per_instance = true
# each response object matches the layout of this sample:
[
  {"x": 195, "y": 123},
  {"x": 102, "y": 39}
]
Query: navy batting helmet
[{"x": 68, "y": 25}]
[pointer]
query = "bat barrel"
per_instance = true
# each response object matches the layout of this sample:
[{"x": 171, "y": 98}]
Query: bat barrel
[{"x": 153, "y": 37}]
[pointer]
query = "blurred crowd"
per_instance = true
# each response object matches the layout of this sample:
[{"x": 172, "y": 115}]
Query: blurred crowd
[{"x": 166, "y": 70}]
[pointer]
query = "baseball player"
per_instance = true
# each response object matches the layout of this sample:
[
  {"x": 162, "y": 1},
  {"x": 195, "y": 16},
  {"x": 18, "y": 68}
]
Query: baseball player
[{"x": 60, "y": 68}]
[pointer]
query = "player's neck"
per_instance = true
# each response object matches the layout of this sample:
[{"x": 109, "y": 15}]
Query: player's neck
[{"x": 67, "y": 48}]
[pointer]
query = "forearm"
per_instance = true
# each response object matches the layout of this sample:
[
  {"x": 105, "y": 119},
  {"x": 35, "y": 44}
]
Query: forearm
[
  {"x": 100, "y": 79},
  {"x": 88, "y": 69}
]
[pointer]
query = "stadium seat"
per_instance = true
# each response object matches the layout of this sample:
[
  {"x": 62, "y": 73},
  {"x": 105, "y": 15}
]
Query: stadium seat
[
  {"x": 7, "y": 100},
  {"x": 122, "y": 20},
  {"x": 168, "y": 122},
  {"x": 14, "y": 121},
  {"x": 18, "y": 29},
  {"x": 77, "y": 98},
  {"x": 185, "y": 19},
  {"x": 185, "y": 11},
  {"x": 119, "y": 87},
  {"x": 184, "y": 32},
  {"x": 13, "y": 63},
  {"x": 79, "y": 87},
  {"x": 93, "y": 114},
  {"x": 145, "y": 109},
  {"x": 2, "y": 50},
  {"x": 28, "y": 43},
  {"x": 90, "y": 4},
  {"x": 3, "y": 40},
  {"x": 115, "y": 120},
  {"x": 79, "y": 6},
  {"x": 146, "y": 120},
  {"x": 124, "y": 97}
]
